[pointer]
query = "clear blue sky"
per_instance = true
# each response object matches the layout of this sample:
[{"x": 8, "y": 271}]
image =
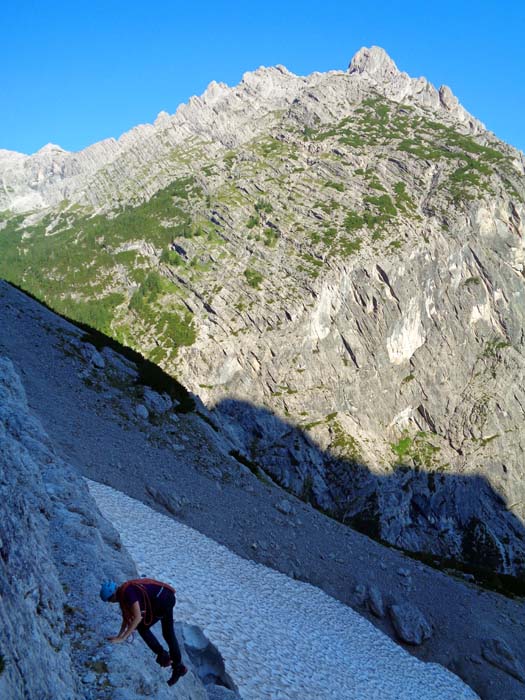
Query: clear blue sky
[{"x": 76, "y": 72}]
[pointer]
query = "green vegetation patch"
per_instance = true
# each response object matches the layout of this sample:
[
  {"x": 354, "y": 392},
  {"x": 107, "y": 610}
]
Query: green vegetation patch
[
  {"x": 70, "y": 264},
  {"x": 171, "y": 257},
  {"x": 253, "y": 278},
  {"x": 262, "y": 205},
  {"x": 343, "y": 444},
  {"x": 384, "y": 204},
  {"x": 271, "y": 237},
  {"x": 494, "y": 346},
  {"x": 147, "y": 292},
  {"x": 416, "y": 450},
  {"x": 335, "y": 185},
  {"x": 403, "y": 200},
  {"x": 353, "y": 222},
  {"x": 252, "y": 221}
]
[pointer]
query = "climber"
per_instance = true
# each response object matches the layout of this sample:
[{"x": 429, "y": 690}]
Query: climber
[{"x": 143, "y": 602}]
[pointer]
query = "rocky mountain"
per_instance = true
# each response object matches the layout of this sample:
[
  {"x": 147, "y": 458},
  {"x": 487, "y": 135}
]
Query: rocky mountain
[
  {"x": 335, "y": 265},
  {"x": 55, "y": 549},
  {"x": 73, "y": 405}
]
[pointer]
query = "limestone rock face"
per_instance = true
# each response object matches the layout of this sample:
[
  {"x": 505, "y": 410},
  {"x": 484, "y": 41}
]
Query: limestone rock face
[
  {"x": 334, "y": 266},
  {"x": 55, "y": 549},
  {"x": 375, "y": 62},
  {"x": 105, "y": 174},
  {"x": 32, "y": 603}
]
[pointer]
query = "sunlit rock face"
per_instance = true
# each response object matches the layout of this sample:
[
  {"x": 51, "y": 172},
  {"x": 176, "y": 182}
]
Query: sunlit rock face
[
  {"x": 343, "y": 251},
  {"x": 229, "y": 116}
]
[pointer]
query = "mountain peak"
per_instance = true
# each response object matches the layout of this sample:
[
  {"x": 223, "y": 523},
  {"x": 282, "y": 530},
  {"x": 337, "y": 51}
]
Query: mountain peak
[
  {"x": 50, "y": 148},
  {"x": 375, "y": 62}
]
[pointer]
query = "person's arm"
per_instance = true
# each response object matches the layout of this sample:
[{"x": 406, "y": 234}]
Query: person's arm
[
  {"x": 123, "y": 627},
  {"x": 128, "y": 626}
]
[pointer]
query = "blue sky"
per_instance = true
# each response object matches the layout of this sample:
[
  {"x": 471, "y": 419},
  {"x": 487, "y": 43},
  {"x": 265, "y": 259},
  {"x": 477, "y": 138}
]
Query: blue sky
[{"x": 74, "y": 73}]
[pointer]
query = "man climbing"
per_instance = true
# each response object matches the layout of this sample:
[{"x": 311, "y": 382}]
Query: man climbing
[{"x": 143, "y": 602}]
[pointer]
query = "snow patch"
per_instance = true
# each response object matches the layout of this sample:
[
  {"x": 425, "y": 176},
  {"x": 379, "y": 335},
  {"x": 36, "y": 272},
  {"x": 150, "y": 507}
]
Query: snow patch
[{"x": 281, "y": 639}]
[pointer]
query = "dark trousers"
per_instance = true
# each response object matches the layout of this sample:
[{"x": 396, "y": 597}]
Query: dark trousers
[{"x": 166, "y": 620}]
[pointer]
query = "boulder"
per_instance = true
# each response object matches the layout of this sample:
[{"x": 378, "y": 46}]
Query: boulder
[
  {"x": 206, "y": 659},
  {"x": 142, "y": 412},
  {"x": 284, "y": 507},
  {"x": 410, "y": 624},
  {"x": 91, "y": 355},
  {"x": 156, "y": 403},
  {"x": 375, "y": 601},
  {"x": 498, "y": 653},
  {"x": 174, "y": 504},
  {"x": 360, "y": 594}
]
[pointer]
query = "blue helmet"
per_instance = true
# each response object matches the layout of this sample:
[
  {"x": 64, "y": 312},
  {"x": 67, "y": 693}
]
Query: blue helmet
[{"x": 107, "y": 589}]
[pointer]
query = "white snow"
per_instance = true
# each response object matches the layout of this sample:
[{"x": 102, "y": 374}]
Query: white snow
[{"x": 281, "y": 639}]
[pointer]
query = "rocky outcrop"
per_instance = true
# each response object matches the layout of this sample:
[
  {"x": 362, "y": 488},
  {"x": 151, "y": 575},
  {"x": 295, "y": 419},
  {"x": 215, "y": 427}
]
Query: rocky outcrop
[
  {"x": 55, "y": 549},
  {"x": 32, "y": 598},
  {"x": 336, "y": 268},
  {"x": 498, "y": 653},
  {"x": 376, "y": 65},
  {"x": 410, "y": 624},
  {"x": 105, "y": 173}
]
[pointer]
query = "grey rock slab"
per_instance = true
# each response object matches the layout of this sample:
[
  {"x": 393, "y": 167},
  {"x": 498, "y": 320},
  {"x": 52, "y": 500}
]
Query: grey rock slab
[
  {"x": 285, "y": 507},
  {"x": 410, "y": 624},
  {"x": 141, "y": 411},
  {"x": 375, "y": 601},
  {"x": 498, "y": 653}
]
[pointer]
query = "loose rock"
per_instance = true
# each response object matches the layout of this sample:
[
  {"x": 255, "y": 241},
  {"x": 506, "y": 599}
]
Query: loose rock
[
  {"x": 410, "y": 624},
  {"x": 498, "y": 653},
  {"x": 375, "y": 601}
]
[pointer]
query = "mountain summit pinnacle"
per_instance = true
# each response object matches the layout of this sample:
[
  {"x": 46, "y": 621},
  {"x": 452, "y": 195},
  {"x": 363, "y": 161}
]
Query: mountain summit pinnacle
[{"x": 375, "y": 62}]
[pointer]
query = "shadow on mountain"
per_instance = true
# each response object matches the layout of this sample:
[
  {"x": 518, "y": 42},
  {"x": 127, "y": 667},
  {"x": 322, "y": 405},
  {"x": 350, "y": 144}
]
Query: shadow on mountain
[{"x": 447, "y": 520}]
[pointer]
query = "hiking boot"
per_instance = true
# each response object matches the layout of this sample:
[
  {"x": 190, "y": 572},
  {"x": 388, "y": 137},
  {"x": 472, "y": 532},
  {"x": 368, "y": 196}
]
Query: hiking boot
[
  {"x": 164, "y": 659},
  {"x": 178, "y": 671}
]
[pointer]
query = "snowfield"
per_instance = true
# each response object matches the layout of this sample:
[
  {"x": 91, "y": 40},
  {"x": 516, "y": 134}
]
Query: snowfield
[{"x": 281, "y": 639}]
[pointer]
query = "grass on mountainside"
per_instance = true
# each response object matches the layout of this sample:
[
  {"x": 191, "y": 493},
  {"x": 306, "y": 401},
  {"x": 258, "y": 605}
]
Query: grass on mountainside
[
  {"x": 74, "y": 269},
  {"x": 149, "y": 373},
  {"x": 253, "y": 278},
  {"x": 417, "y": 450},
  {"x": 380, "y": 122}
]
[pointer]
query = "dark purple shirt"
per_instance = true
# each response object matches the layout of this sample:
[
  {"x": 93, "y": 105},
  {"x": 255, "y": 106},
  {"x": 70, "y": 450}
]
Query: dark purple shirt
[{"x": 160, "y": 598}]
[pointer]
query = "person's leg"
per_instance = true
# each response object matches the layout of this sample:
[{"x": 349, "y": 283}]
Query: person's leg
[
  {"x": 150, "y": 639},
  {"x": 168, "y": 633}
]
